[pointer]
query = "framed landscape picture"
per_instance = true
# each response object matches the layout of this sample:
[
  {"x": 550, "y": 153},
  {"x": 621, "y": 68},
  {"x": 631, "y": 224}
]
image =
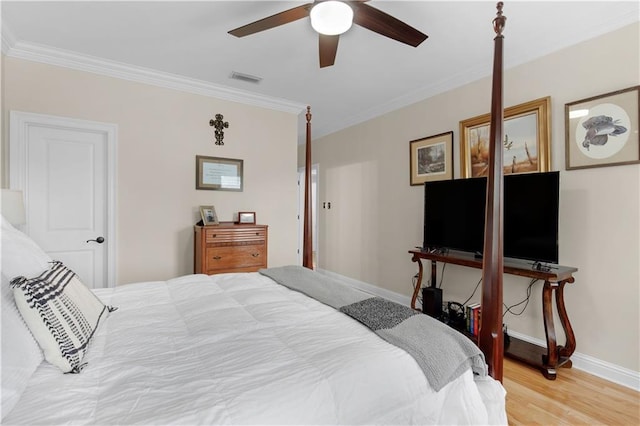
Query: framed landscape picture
[
  {"x": 526, "y": 144},
  {"x": 603, "y": 130},
  {"x": 431, "y": 158}
]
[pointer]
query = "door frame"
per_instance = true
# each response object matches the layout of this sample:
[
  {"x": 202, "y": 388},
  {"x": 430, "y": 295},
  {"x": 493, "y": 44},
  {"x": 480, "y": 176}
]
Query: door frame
[{"x": 19, "y": 124}]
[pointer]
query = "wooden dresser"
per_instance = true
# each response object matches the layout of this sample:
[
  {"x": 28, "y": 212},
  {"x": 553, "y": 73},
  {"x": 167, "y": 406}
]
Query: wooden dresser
[{"x": 230, "y": 247}]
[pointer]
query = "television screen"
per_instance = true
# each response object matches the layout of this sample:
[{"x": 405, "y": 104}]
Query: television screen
[
  {"x": 531, "y": 216},
  {"x": 454, "y": 215}
]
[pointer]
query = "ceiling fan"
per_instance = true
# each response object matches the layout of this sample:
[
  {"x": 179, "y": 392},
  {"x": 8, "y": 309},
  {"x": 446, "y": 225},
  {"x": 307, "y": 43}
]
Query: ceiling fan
[{"x": 330, "y": 18}]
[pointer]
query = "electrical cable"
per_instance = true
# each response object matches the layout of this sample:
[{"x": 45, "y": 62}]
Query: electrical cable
[
  {"x": 442, "y": 274},
  {"x": 525, "y": 301},
  {"x": 474, "y": 292}
]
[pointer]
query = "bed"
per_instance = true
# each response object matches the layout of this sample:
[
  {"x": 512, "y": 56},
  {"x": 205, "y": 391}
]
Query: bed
[
  {"x": 285, "y": 345},
  {"x": 242, "y": 348}
]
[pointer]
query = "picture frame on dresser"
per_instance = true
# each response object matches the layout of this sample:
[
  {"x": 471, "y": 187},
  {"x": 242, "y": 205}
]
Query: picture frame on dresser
[
  {"x": 603, "y": 130},
  {"x": 247, "y": 218},
  {"x": 208, "y": 215}
]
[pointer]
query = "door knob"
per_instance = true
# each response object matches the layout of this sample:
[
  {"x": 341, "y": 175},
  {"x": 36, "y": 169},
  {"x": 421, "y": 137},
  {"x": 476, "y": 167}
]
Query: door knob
[{"x": 98, "y": 240}]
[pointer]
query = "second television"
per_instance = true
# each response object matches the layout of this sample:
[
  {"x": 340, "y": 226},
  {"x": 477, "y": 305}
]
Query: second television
[{"x": 454, "y": 213}]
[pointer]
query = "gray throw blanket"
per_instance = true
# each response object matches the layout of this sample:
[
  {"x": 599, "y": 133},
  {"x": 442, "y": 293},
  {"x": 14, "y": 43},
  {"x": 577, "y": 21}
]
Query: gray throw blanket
[{"x": 442, "y": 353}]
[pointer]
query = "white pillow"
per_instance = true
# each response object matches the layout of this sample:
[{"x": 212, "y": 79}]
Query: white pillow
[
  {"x": 20, "y": 254},
  {"x": 61, "y": 312},
  {"x": 21, "y": 354}
]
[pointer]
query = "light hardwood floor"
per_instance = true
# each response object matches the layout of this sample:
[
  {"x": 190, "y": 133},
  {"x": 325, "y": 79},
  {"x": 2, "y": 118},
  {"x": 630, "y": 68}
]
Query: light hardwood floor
[{"x": 574, "y": 398}]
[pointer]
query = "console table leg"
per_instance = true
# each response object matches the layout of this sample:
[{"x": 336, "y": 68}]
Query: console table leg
[
  {"x": 549, "y": 373},
  {"x": 550, "y": 361},
  {"x": 570, "y": 344},
  {"x": 416, "y": 290}
]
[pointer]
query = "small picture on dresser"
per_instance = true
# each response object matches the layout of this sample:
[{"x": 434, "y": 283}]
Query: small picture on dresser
[
  {"x": 247, "y": 217},
  {"x": 209, "y": 216}
]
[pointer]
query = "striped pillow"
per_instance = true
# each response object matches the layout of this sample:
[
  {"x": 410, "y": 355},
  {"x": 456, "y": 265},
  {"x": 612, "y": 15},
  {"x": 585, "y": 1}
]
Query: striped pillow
[{"x": 62, "y": 314}]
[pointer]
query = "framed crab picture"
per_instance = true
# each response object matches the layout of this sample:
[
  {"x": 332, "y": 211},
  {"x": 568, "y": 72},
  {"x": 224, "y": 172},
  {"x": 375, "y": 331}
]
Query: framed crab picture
[{"x": 603, "y": 130}]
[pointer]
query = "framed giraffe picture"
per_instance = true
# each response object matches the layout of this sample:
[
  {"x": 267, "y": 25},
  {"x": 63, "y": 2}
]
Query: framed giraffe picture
[{"x": 526, "y": 144}]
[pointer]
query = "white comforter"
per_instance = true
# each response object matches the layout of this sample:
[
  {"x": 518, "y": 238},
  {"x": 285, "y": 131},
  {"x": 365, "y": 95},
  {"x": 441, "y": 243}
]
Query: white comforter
[{"x": 241, "y": 349}]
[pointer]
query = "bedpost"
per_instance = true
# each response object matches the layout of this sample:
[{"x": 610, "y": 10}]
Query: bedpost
[
  {"x": 307, "y": 246},
  {"x": 491, "y": 340}
]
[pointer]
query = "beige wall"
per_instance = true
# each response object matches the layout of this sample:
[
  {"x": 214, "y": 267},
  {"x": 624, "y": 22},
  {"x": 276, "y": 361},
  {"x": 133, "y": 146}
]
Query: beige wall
[
  {"x": 160, "y": 131},
  {"x": 376, "y": 216}
]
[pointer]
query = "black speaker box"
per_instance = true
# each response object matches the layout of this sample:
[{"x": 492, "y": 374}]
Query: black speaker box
[{"x": 432, "y": 301}]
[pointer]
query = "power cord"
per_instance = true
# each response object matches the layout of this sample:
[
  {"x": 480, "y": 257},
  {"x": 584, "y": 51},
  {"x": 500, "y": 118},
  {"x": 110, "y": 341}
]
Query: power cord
[
  {"x": 414, "y": 283},
  {"x": 442, "y": 275},
  {"x": 474, "y": 292},
  {"x": 525, "y": 301}
]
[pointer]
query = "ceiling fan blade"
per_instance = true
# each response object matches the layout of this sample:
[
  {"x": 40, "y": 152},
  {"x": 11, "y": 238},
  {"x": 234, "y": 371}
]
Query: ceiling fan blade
[
  {"x": 382, "y": 23},
  {"x": 272, "y": 21},
  {"x": 328, "y": 48}
]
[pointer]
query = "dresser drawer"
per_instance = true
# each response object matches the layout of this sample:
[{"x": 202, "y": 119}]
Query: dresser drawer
[
  {"x": 238, "y": 235},
  {"x": 231, "y": 257}
]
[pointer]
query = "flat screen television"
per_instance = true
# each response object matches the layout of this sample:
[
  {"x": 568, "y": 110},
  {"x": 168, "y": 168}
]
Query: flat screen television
[{"x": 454, "y": 215}]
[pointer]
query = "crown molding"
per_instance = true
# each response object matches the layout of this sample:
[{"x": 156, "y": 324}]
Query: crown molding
[
  {"x": 8, "y": 38},
  {"x": 67, "y": 59},
  {"x": 615, "y": 22},
  {"x": 408, "y": 99},
  {"x": 53, "y": 56}
]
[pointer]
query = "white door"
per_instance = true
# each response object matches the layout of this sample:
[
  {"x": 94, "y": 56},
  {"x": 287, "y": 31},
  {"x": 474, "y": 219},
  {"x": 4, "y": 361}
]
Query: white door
[{"x": 66, "y": 169}]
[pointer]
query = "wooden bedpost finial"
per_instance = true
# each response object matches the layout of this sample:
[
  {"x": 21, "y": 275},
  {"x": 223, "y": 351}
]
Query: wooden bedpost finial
[
  {"x": 308, "y": 114},
  {"x": 499, "y": 21}
]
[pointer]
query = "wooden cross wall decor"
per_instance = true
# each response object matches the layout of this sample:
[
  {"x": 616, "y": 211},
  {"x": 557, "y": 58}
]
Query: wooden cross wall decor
[{"x": 219, "y": 125}]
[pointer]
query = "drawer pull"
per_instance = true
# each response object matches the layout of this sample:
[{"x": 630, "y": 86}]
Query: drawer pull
[
  {"x": 255, "y": 254},
  {"x": 217, "y": 257}
]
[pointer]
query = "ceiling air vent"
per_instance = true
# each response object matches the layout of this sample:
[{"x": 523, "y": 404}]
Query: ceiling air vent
[{"x": 245, "y": 77}]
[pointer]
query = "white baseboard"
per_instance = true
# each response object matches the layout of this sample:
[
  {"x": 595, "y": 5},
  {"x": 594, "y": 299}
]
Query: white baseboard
[
  {"x": 606, "y": 370},
  {"x": 603, "y": 369},
  {"x": 368, "y": 288}
]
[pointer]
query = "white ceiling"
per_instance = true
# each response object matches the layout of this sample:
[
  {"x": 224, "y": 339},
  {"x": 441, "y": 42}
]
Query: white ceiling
[{"x": 185, "y": 45}]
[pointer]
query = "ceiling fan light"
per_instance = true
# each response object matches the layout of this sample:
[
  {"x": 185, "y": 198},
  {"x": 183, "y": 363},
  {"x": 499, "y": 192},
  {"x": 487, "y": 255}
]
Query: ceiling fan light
[{"x": 331, "y": 17}]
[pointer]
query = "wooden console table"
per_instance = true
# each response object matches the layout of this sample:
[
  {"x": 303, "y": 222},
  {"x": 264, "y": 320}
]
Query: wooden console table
[{"x": 555, "y": 277}]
